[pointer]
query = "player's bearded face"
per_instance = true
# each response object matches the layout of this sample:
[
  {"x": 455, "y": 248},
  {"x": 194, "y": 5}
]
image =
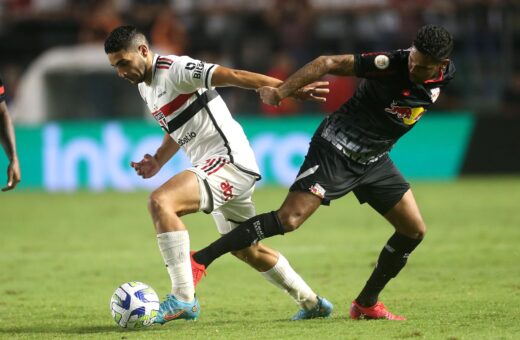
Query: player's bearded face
[
  {"x": 422, "y": 67},
  {"x": 129, "y": 65}
]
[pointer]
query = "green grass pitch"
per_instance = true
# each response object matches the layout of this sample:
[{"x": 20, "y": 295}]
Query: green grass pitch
[{"x": 62, "y": 256}]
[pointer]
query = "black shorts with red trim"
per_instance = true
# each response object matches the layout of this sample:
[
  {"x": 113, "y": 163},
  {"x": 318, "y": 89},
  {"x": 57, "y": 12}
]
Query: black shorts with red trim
[{"x": 330, "y": 175}]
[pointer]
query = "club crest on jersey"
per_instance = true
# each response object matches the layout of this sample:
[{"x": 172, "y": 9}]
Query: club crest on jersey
[
  {"x": 161, "y": 119},
  {"x": 381, "y": 61},
  {"x": 434, "y": 94},
  {"x": 409, "y": 115}
]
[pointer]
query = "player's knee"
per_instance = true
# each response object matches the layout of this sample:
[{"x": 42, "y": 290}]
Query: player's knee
[
  {"x": 421, "y": 231},
  {"x": 290, "y": 220},
  {"x": 157, "y": 202},
  {"x": 417, "y": 230}
]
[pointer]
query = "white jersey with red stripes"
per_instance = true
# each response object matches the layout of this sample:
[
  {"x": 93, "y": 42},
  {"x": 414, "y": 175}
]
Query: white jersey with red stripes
[{"x": 187, "y": 107}]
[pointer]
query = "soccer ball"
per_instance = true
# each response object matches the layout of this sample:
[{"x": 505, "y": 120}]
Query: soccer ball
[{"x": 134, "y": 304}]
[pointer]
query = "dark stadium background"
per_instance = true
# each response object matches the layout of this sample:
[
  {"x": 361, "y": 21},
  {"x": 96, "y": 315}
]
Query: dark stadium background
[{"x": 54, "y": 70}]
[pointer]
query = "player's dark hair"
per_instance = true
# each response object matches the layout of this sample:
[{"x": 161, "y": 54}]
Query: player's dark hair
[
  {"x": 434, "y": 41},
  {"x": 122, "y": 38}
]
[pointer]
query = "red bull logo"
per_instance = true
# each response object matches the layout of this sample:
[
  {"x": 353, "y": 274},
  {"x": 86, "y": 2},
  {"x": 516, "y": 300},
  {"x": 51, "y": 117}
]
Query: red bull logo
[
  {"x": 317, "y": 190},
  {"x": 409, "y": 115}
]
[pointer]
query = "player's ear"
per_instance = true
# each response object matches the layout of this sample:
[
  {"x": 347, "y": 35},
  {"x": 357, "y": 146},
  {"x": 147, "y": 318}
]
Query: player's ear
[{"x": 143, "y": 50}]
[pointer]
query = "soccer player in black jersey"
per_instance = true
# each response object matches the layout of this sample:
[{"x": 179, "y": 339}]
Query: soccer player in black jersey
[
  {"x": 7, "y": 139},
  {"x": 349, "y": 152}
]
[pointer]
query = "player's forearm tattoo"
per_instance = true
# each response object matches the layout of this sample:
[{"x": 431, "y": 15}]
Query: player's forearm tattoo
[{"x": 306, "y": 75}]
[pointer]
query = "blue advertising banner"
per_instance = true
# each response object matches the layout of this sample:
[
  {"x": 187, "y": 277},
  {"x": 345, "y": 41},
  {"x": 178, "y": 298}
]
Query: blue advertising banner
[{"x": 68, "y": 156}]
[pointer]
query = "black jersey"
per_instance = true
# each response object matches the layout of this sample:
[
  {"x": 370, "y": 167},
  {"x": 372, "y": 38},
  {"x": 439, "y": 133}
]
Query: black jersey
[
  {"x": 385, "y": 105},
  {"x": 2, "y": 91}
]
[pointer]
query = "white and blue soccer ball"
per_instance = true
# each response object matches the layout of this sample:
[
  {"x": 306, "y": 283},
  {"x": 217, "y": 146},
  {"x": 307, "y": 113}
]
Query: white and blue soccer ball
[{"x": 134, "y": 304}]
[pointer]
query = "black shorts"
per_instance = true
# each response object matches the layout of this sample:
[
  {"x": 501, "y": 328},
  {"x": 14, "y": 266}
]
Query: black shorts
[{"x": 331, "y": 175}]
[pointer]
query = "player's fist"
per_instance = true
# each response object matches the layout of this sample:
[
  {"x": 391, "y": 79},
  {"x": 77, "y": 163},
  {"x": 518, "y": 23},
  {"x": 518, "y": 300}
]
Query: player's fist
[
  {"x": 147, "y": 167},
  {"x": 13, "y": 175},
  {"x": 269, "y": 95}
]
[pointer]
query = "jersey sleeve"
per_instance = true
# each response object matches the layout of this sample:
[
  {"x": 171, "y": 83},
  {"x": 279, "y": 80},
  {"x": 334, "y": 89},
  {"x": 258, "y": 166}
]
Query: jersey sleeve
[
  {"x": 189, "y": 74},
  {"x": 2, "y": 91},
  {"x": 376, "y": 64}
]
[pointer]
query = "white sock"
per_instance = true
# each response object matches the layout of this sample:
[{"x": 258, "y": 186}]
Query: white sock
[
  {"x": 283, "y": 276},
  {"x": 175, "y": 250}
]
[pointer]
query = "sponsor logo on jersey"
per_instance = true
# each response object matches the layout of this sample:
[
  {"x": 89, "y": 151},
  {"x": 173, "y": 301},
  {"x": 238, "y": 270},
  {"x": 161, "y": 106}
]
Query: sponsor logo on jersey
[
  {"x": 161, "y": 92},
  {"x": 196, "y": 68},
  {"x": 227, "y": 190},
  {"x": 317, "y": 190},
  {"x": 186, "y": 138},
  {"x": 409, "y": 115},
  {"x": 161, "y": 119}
]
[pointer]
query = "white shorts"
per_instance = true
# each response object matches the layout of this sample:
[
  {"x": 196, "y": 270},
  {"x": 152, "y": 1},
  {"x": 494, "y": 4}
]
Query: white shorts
[{"x": 225, "y": 192}]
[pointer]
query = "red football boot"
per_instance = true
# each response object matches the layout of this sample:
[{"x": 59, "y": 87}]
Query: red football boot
[
  {"x": 198, "y": 270},
  {"x": 377, "y": 311}
]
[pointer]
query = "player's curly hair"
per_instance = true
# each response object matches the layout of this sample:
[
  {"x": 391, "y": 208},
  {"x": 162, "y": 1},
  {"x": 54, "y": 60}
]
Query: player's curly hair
[
  {"x": 122, "y": 38},
  {"x": 434, "y": 41}
]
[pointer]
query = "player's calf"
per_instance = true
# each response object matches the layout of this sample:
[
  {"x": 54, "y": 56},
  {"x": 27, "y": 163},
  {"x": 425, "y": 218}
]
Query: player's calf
[{"x": 246, "y": 234}]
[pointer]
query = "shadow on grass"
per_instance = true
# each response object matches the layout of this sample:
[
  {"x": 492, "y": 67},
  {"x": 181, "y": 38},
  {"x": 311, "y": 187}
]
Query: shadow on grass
[
  {"x": 49, "y": 330},
  {"x": 94, "y": 329}
]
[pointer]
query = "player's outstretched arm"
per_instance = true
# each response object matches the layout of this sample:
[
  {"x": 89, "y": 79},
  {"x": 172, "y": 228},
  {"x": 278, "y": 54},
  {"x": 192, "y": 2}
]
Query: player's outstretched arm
[
  {"x": 342, "y": 65},
  {"x": 8, "y": 142},
  {"x": 150, "y": 165},
  {"x": 224, "y": 76}
]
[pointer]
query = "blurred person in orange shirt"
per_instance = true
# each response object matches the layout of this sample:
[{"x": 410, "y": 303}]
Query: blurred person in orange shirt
[
  {"x": 103, "y": 18},
  {"x": 283, "y": 66},
  {"x": 168, "y": 33}
]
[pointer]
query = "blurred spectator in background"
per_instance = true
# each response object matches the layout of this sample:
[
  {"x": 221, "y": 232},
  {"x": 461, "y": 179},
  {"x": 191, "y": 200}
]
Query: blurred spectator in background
[
  {"x": 167, "y": 33},
  {"x": 294, "y": 22},
  {"x": 142, "y": 13},
  {"x": 342, "y": 88},
  {"x": 407, "y": 16},
  {"x": 483, "y": 36},
  {"x": 99, "y": 22},
  {"x": 283, "y": 66},
  {"x": 8, "y": 142},
  {"x": 251, "y": 35},
  {"x": 17, "y": 6},
  {"x": 511, "y": 97}
]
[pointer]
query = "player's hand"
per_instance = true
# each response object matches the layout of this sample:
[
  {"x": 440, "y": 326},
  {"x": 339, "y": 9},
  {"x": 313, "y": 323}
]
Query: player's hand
[
  {"x": 147, "y": 167},
  {"x": 269, "y": 95},
  {"x": 314, "y": 92},
  {"x": 13, "y": 175}
]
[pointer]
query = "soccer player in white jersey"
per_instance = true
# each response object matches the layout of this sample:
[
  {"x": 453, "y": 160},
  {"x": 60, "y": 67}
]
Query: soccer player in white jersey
[{"x": 179, "y": 91}]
